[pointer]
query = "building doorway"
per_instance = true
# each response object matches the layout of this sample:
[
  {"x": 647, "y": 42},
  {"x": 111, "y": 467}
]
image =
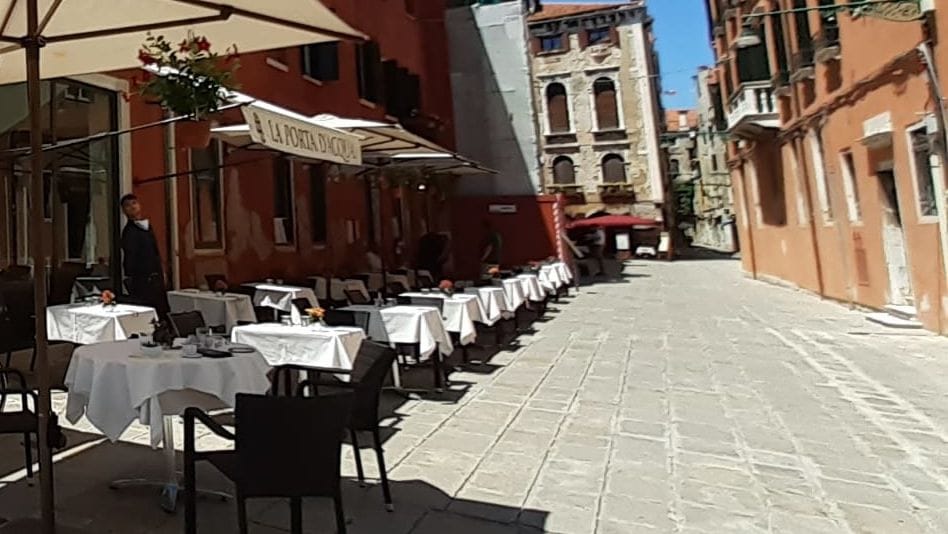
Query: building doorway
[{"x": 893, "y": 241}]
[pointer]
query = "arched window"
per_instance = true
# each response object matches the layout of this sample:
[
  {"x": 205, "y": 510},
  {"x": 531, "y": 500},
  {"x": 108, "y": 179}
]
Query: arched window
[
  {"x": 563, "y": 172},
  {"x": 557, "y": 108},
  {"x": 607, "y": 112},
  {"x": 613, "y": 169}
]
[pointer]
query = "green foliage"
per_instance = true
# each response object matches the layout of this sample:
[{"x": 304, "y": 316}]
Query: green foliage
[
  {"x": 685, "y": 199},
  {"x": 193, "y": 80}
]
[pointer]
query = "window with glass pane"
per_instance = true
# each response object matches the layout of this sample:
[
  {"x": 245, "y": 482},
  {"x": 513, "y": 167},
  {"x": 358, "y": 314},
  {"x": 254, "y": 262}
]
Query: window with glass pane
[
  {"x": 317, "y": 207},
  {"x": 924, "y": 175},
  {"x": 284, "y": 229},
  {"x": 321, "y": 61},
  {"x": 81, "y": 179},
  {"x": 552, "y": 43},
  {"x": 206, "y": 197},
  {"x": 598, "y": 36}
]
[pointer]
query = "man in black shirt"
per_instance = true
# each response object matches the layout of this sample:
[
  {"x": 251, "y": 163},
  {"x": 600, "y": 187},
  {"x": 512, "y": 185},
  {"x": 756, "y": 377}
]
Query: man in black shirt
[{"x": 142, "y": 261}]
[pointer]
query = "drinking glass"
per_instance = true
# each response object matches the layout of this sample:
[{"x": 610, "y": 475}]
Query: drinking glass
[{"x": 202, "y": 334}]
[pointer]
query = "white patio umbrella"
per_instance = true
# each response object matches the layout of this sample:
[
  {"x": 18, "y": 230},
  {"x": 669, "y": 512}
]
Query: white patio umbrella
[{"x": 53, "y": 38}]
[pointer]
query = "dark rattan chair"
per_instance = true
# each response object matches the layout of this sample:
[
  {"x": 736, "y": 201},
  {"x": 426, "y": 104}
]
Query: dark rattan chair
[
  {"x": 286, "y": 447},
  {"x": 23, "y": 422},
  {"x": 370, "y": 368},
  {"x": 355, "y": 296},
  {"x": 185, "y": 324}
]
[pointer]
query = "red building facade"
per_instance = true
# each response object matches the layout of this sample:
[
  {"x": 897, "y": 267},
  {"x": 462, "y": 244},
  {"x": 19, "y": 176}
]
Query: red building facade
[{"x": 263, "y": 216}]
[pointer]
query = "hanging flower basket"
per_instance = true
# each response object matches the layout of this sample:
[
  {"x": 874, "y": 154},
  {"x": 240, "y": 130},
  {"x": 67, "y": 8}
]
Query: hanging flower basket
[{"x": 189, "y": 80}]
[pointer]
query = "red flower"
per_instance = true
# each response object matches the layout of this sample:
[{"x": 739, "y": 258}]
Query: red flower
[
  {"x": 446, "y": 284},
  {"x": 184, "y": 46},
  {"x": 146, "y": 58},
  {"x": 203, "y": 44}
]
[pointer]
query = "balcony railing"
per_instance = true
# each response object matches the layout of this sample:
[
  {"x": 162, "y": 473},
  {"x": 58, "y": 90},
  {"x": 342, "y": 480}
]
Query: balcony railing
[
  {"x": 826, "y": 45},
  {"x": 752, "y": 108},
  {"x": 802, "y": 64}
]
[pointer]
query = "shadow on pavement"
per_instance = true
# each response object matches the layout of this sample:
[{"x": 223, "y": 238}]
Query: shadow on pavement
[{"x": 85, "y": 503}]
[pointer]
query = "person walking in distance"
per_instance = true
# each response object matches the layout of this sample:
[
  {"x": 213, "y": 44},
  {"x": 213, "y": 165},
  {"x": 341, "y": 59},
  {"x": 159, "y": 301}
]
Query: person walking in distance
[
  {"x": 141, "y": 259},
  {"x": 493, "y": 245}
]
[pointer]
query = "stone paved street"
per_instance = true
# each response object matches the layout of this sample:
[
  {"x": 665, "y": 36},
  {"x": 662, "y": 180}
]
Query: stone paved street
[{"x": 681, "y": 398}]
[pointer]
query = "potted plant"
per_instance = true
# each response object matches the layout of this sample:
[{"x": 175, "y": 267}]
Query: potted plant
[
  {"x": 317, "y": 314},
  {"x": 191, "y": 81},
  {"x": 107, "y": 298},
  {"x": 446, "y": 287},
  {"x": 221, "y": 287}
]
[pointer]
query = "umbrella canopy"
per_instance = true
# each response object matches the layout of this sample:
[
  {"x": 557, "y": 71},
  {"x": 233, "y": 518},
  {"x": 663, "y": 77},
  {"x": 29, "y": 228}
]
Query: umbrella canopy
[
  {"x": 87, "y": 36},
  {"x": 54, "y": 38},
  {"x": 613, "y": 221}
]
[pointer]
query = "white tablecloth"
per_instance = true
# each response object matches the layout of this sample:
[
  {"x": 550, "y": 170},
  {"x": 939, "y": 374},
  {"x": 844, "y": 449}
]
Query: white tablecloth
[
  {"x": 316, "y": 346},
  {"x": 112, "y": 388},
  {"x": 460, "y": 312},
  {"x": 94, "y": 323},
  {"x": 217, "y": 309},
  {"x": 513, "y": 292},
  {"x": 565, "y": 273},
  {"x": 550, "y": 278},
  {"x": 531, "y": 287},
  {"x": 417, "y": 324},
  {"x": 493, "y": 303},
  {"x": 280, "y": 297}
]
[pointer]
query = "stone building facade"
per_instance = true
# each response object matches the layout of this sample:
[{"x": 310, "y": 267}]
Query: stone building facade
[
  {"x": 713, "y": 197},
  {"x": 596, "y": 92}
]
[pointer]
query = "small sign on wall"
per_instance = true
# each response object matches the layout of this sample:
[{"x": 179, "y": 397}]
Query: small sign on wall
[
  {"x": 622, "y": 242},
  {"x": 502, "y": 208}
]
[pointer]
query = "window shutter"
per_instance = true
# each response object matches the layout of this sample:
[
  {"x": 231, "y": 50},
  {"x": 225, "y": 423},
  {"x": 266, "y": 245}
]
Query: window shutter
[
  {"x": 583, "y": 38},
  {"x": 563, "y": 172},
  {"x": 328, "y": 58},
  {"x": 613, "y": 169},
  {"x": 607, "y": 113},
  {"x": 614, "y": 35},
  {"x": 557, "y": 108},
  {"x": 535, "y": 46}
]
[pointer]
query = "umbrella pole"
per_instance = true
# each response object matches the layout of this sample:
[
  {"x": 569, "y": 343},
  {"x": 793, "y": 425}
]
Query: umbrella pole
[{"x": 32, "y": 45}]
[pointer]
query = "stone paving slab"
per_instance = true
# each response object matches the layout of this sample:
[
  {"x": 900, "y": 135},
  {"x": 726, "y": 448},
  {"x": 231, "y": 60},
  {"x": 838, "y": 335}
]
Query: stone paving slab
[{"x": 684, "y": 399}]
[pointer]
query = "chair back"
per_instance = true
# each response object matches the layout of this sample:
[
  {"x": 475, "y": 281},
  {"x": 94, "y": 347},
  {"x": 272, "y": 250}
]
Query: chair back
[
  {"x": 370, "y": 368},
  {"x": 424, "y": 279},
  {"x": 403, "y": 301},
  {"x": 395, "y": 288},
  {"x": 17, "y": 273},
  {"x": 62, "y": 281},
  {"x": 302, "y": 304},
  {"x": 340, "y": 318},
  {"x": 290, "y": 446},
  {"x": 355, "y": 296},
  {"x": 92, "y": 286},
  {"x": 433, "y": 302},
  {"x": 186, "y": 323},
  {"x": 213, "y": 279}
]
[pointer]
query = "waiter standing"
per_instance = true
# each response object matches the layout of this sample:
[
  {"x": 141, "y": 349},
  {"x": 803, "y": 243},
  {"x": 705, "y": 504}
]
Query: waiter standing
[{"x": 142, "y": 261}]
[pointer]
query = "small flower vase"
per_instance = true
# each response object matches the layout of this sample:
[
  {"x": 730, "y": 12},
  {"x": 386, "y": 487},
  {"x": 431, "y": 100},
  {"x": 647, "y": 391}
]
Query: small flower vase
[{"x": 447, "y": 292}]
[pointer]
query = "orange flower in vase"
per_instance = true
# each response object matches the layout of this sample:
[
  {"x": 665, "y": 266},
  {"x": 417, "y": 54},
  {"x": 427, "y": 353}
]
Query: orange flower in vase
[
  {"x": 494, "y": 271},
  {"x": 446, "y": 287},
  {"x": 107, "y": 298},
  {"x": 316, "y": 314}
]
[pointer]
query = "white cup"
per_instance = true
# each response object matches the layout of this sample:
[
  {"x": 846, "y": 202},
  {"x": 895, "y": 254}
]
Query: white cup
[{"x": 189, "y": 349}]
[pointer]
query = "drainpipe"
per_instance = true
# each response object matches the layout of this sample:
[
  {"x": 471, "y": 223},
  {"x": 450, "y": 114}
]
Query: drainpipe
[{"x": 171, "y": 206}]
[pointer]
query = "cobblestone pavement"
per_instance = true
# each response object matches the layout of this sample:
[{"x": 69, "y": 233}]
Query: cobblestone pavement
[{"x": 680, "y": 398}]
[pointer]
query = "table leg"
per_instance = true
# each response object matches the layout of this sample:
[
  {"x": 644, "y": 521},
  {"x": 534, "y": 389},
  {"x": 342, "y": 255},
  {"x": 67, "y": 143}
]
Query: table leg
[{"x": 170, "y": 486}]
